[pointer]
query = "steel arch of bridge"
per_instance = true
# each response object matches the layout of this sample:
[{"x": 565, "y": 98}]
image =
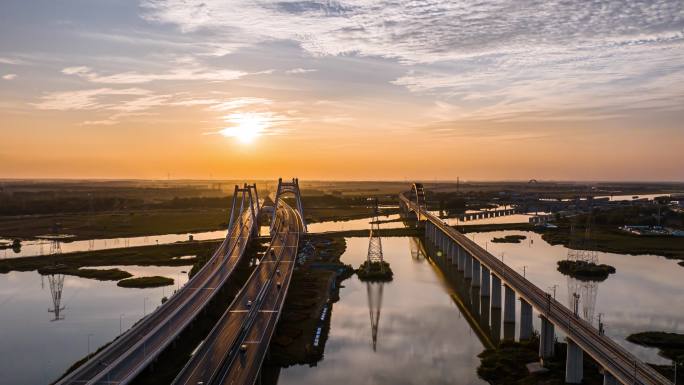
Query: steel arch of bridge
[{"x": 291, "y": 188}]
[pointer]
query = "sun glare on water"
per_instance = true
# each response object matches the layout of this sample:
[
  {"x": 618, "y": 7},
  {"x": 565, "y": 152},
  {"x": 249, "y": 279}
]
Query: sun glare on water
[{"x": 245, "y": 127}]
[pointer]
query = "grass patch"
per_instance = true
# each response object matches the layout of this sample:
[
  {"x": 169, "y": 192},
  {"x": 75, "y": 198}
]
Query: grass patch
[
  {"x": 585, "y": 271},
  {"x": 671, "y": 345},
  {"x": 99, "y": 274},
  {"x": 116, "y": 224},
  {"x": 510, "y": 239},
  {"x": 494, "y": 227},
  {"x": 144, "y": 282},
  {"x": 375, "y": 272},
  {"x": 155, "y": 255},
  {"x": 612, "y": 240},
  {"x": 314, "y": 286},
  {"x": 506, "y": 364}
]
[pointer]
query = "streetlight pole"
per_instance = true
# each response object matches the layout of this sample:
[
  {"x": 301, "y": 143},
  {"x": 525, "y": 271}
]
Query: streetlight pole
[
  {"x": 554, "y": 290},
  {"x": 121, "y": 322},
  {"x": 89, "y": 335},
  {"x": 524, "y": 271}
]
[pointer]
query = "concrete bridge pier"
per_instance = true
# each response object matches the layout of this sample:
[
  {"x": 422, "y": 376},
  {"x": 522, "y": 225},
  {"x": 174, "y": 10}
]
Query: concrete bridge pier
[
  {"x": 468, "y": 270},
  {"x": 574, "y": 363},
  {"x": 475, "y": 299},
  {"x": 484, "y": 311},
  {"x": 476, "y": 273},
  {"x": 496, "y": 324},
  {"x": 496, "y": 292},
  {"x": 609, "y": 379},
  {"x": 526, "y": 327},
  {"x": 484, "y": 287},
  {"x": 509, "y": 305},
  {"x": 546, "y": 338}
]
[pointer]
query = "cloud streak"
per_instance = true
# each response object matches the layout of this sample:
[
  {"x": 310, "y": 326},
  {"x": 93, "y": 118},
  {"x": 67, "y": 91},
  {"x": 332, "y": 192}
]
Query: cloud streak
[{"x": 502, "y": 60}]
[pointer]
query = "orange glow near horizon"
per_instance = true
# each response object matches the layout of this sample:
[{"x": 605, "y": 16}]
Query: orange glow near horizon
[{"x": 330, "y": 91}]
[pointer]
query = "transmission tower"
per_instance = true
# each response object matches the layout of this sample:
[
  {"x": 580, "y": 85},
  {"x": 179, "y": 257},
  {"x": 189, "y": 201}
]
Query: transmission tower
[
  {"x": 374, "y": 291},
  {"x": 586, "y": 292},
  {"x": 375, "y": 242},
  {"x": 56, "y": 282},
  {"x": 579, "y": 249}
]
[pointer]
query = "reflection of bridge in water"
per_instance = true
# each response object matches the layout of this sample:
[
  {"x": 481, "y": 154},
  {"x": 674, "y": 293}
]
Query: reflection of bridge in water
[{"x": 475, "y": 308}]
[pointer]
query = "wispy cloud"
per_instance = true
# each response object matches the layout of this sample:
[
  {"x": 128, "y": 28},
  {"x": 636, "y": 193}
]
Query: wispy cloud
[
  {"x": 9, "y": 76},
  {"x": 181, "y": 72},
  {"x": 85, "y": 99},
  {"x": 11, "y": 61},
  {"x": 497, "y": 60},
  {"x": 296, "y": 71},
  {"x": 236, "y": 103}
]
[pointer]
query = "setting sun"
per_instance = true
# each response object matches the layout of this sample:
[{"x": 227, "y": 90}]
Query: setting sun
[{"x": 245, "y": 126}]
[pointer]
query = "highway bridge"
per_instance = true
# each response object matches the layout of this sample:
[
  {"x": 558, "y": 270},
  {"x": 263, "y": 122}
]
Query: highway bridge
[
  {"x": 129, "y": 354},
  {"x": 234, "y": 350},
  {"x": 484, "y": 271}
]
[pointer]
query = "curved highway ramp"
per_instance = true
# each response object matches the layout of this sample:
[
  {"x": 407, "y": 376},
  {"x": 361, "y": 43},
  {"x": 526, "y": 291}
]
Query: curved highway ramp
[
  {"x": 235, "y": 349},
  {"x": 134, "y": 350}
]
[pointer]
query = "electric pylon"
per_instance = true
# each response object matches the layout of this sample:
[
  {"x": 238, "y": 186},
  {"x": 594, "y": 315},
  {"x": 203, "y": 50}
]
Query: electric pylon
[
  {"x": 579, "y": 249},
  {"x": 375, "y": 242}
]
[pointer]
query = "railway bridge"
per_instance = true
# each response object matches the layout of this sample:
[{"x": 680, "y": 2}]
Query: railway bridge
[{"x": 499, "y": 285}]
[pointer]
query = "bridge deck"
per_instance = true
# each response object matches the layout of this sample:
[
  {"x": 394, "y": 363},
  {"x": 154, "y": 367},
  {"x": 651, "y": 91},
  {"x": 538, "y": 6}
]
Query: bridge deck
[
  {"x": 612, "y": 357},
  {"x": 220, "y": 360},
  {"x": 129, "y": 354}
]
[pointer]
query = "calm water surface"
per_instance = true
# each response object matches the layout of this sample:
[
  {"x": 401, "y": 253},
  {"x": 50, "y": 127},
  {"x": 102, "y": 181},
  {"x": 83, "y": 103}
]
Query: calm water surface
[
  {"x": 354, "y": 224},
  {"x": 422, "y": 337},
  {"x": 45, "y": 247},
  {"x": 36, "y": 350}
]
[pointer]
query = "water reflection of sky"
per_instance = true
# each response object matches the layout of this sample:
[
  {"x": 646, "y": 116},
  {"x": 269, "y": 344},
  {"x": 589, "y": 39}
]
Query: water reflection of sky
[
  {"x": 35, "y": 350},
  {"x": 44, "y": 247},
  {"x": 354, "y": 224},
  {"x": 422, "y": 337}
]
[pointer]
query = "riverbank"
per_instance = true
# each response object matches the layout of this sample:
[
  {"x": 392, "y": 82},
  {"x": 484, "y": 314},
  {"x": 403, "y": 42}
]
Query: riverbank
[
  {"x": 118, "y": 224},
  {"x": 305, "y": 321},
  {"x": 671, "y": 345},
  {"x": 612, "y": 240},
  {"x": 585, "y": 271},
  {"x": 507, "y": 364},
  {"x": 145, "y": 282},
  {"x": 509, "y": 239}
]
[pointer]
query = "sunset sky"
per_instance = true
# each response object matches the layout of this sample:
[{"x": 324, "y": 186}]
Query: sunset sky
[{"x": 352, "y": 89}]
